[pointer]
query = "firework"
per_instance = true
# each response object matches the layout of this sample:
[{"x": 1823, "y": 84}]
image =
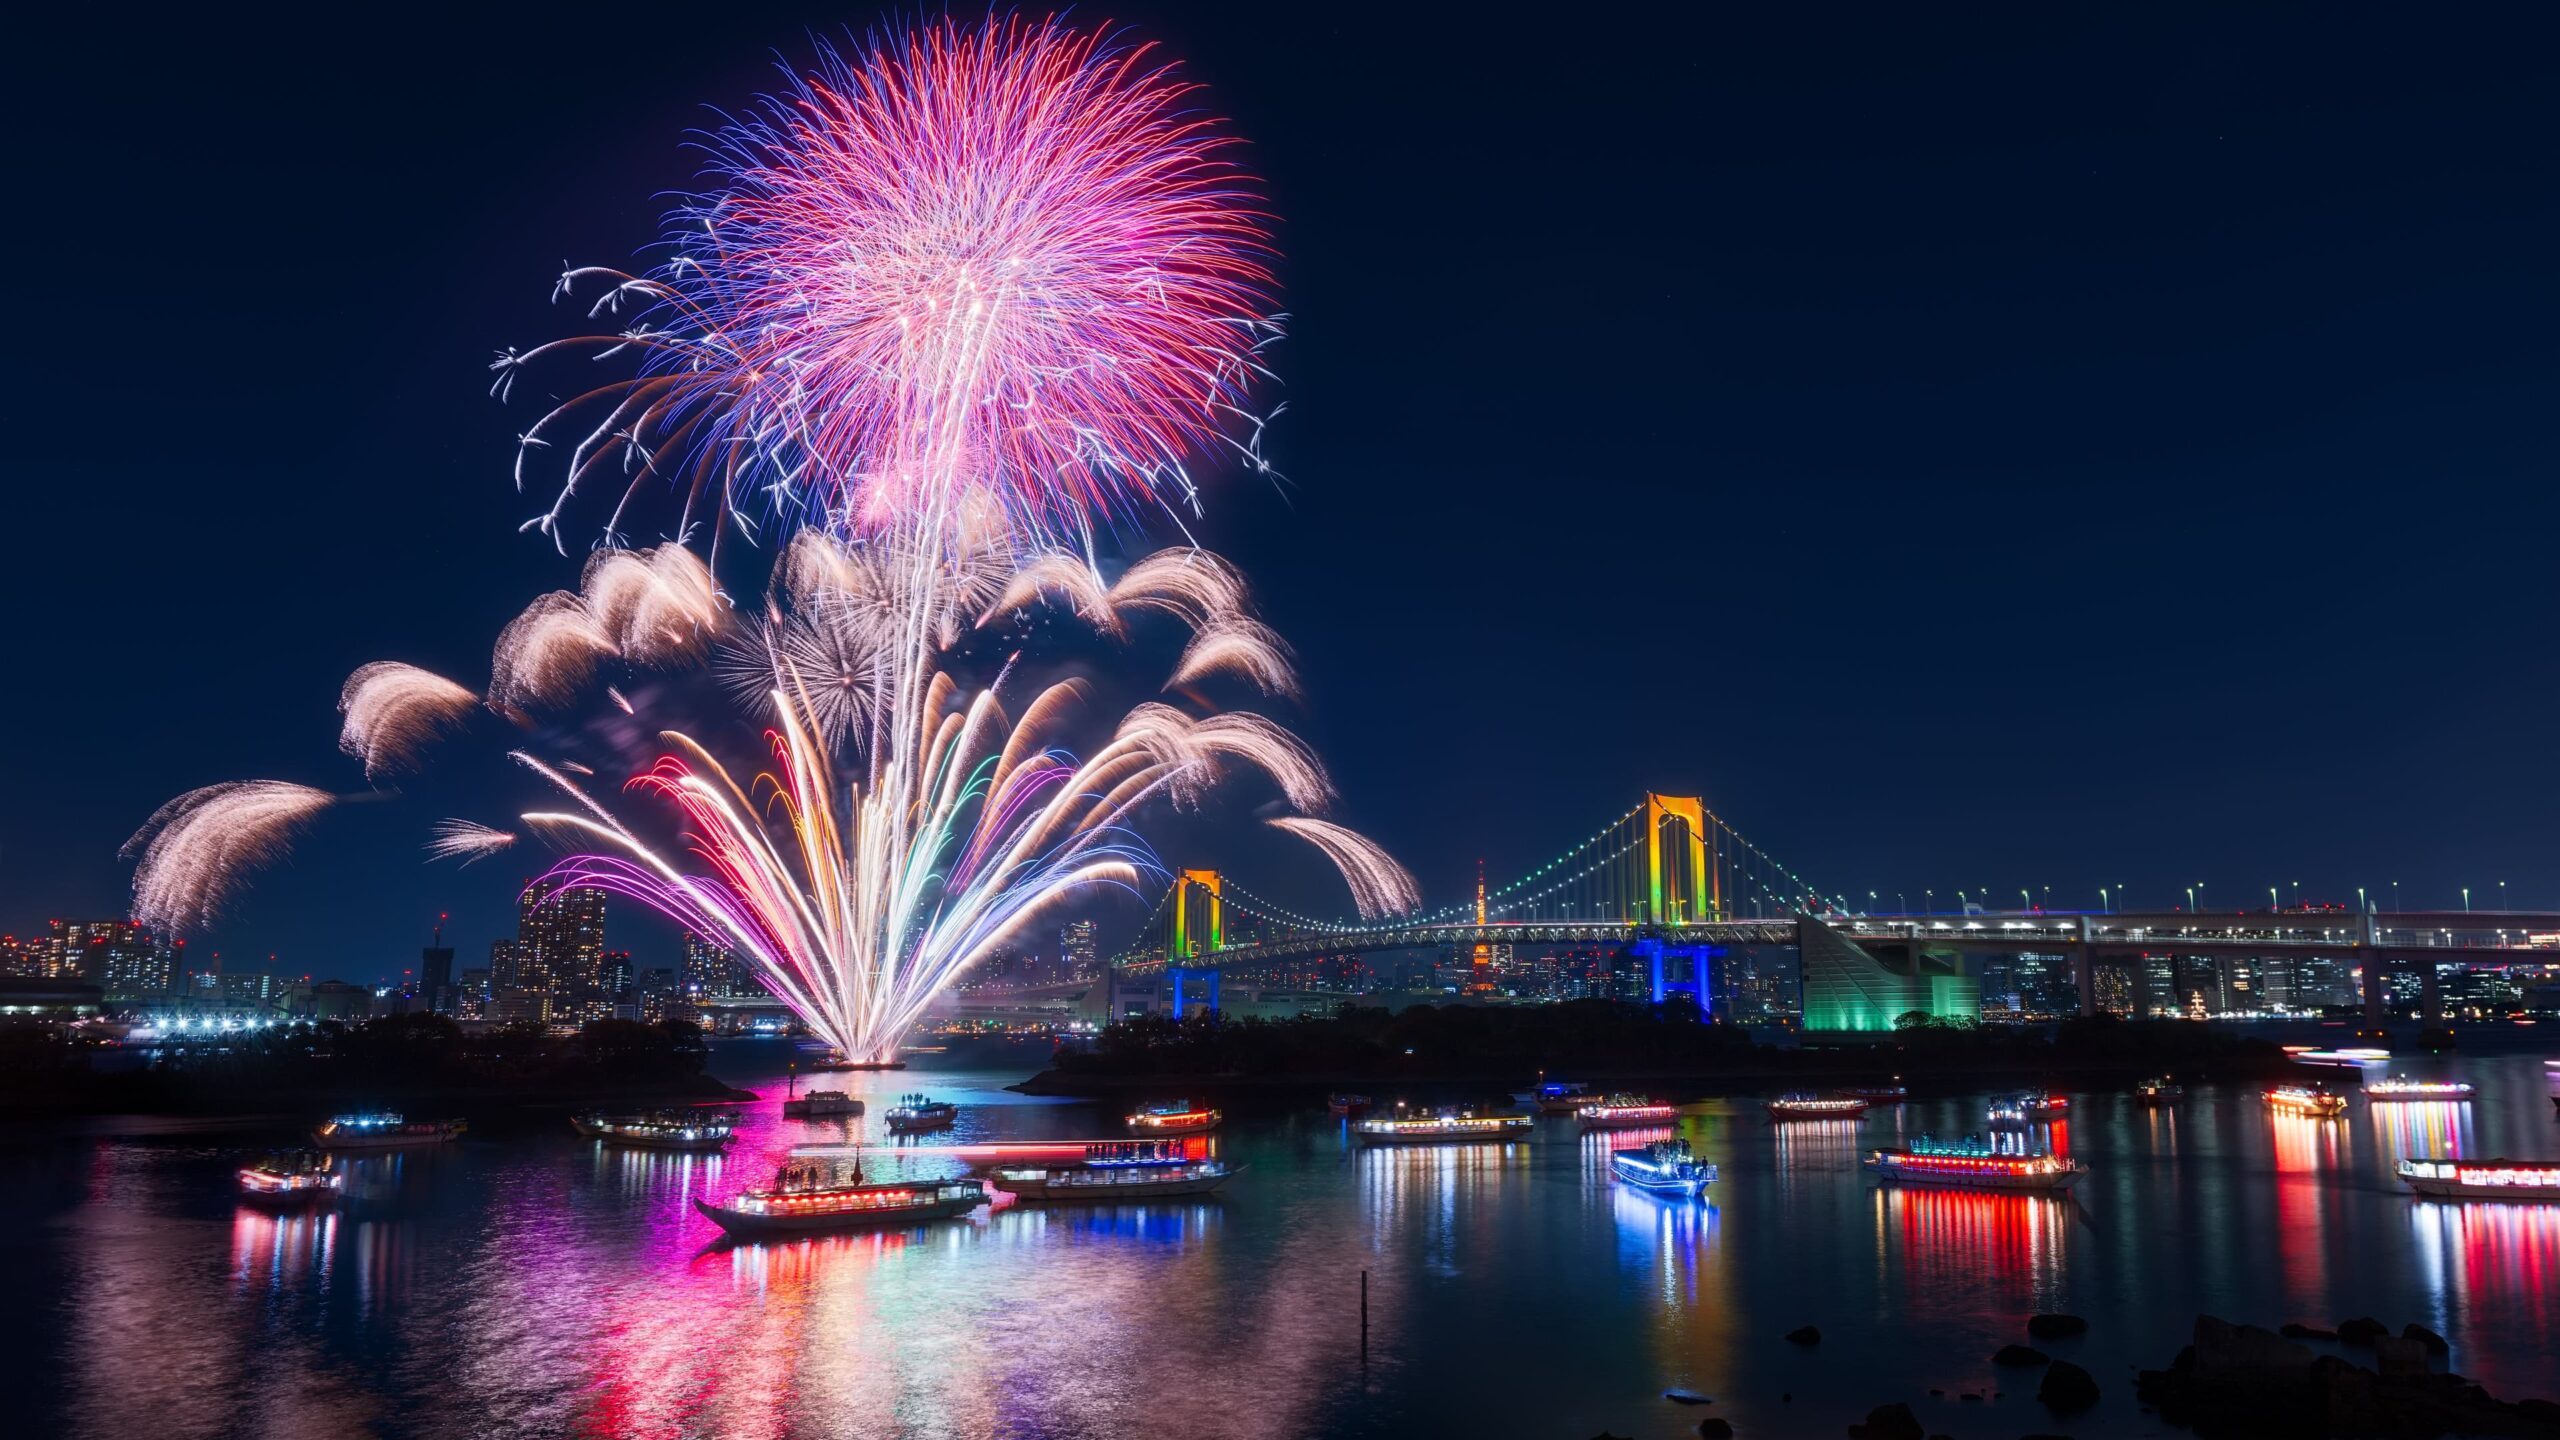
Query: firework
[
  {"x": 198, "y": 849},
  {"x": 1379, "y": 886},
  {"x": 1239, "y": 647},
  {"x": 1004, "y": 260},
  {"x": 654, "y": 607},
  {"x": 394, "y": 711},
  {"x": 467, "y": 840}
]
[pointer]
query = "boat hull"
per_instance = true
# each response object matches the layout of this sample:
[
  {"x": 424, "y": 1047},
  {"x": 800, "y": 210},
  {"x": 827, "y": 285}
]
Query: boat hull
[
  {"x": 2046, "y": 1184},
  {"x": 1519, "y": 1131},
  {"x": 344, "y": 1141},
  {"x": 2510, "y": 1194},
  {"x": 1792, "y": 1112},
  {"x": 1046, "y": 1192},
  {"x": 1690, "y": 1187},
  {"x": 651, "y": 1142},
  {"x": 747, "y": 1226}
]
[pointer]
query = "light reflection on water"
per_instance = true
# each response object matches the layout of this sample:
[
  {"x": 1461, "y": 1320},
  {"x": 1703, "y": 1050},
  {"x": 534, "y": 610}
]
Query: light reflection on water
[{"x": 544, "y": 1285}]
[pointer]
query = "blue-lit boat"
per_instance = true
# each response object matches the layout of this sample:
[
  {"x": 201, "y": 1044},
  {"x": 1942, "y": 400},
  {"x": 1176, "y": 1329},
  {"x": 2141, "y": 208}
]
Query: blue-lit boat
[
  {"x": 1118, "y": 1170},
  {"x": 915, "y": 1114},
  {"x": 1664, "y": 1167}
]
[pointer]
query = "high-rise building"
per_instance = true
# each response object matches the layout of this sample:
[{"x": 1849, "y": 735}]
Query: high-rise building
[
  {"x": 559, "y": 937},
  {"x": 715, "y": 972},
  {"x": 124, "y": 958},
  {"x": 1076, "y": 947}
]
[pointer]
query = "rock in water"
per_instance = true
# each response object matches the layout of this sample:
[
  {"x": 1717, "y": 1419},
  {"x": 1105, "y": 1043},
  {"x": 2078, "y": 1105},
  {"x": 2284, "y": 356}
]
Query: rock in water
[
  {"x": 2424, "y": 1336},
  {"x": 1889, "y": 1422},
  {"x": 2362, "y": 1330},
  {"x": 2294, "y": 1330},
  {"x": 2056, "y": 1327},
  {"x": 1805, "y": 1335},
  {"x": 2019, "y": 1355},
  {"x": 1715, "y": 1428},
  {"x": 2067, "y": 1388},
  {"x": 2399, "y": 1358}
]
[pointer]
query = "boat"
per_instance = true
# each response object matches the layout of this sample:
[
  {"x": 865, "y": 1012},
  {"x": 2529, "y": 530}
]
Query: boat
[
  {"x": 2026, "y": 1109},
  {"x": 836, "y": 1063},
  {"x": 297, "y": 1177},
  {"x": 383, "y": 1130},
  {"x": 807, "y": 1199},
  {"x": 1801, "y": 1106},
  {"x": 1346, "y": 1104},
  {"x": 915, "y": 1114},
  {"x": 820, "y": 1105},
  {"x": 659, "y": 1130},
  {"x": 2314, "y": 1100},
  {"x": 1118, "y": 1170},
  {"x": 1972, "y": 1165},
  {"x": 1179, "y": 1118},
  {"x": 2452, "y": 1179},
  {"x": 1877, "y": 1094},
  {"x": 2159, "y": 1091},
  {"x": 2401, "y": 1087},
  {"x": 1556, "y": 1097},
  {"x": 1439, "y": 1126},
  {"x": 1664, "y": 1167},
  {"x": 1625, "y": 1112}
]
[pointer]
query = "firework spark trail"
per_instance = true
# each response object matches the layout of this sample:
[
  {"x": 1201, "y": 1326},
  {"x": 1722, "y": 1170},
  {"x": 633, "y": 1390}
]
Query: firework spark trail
[
  {"x": 1379, "y": 886},
  {"x": 467, "y": 840},
  {"x": 1005, "y": 258},
  {"x": 394, "y": 711},
  {"x": 198, "y": 849},
  {"x": 653, "y": 607}
]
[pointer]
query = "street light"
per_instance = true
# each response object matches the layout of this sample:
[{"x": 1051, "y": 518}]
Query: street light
[
  {"x": 2466, "y": 899},
  {"x": 2191, "y": 899},
  {"x": 2103, "y": 903},
  {"x": 2025, "y": 900}
]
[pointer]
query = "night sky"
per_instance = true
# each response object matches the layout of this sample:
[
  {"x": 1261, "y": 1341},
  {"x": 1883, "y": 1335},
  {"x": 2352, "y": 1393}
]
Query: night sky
[{"x": 1974, "y": 451}]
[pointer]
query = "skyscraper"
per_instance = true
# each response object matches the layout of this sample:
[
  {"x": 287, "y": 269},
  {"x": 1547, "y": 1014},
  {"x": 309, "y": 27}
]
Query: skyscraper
[{"x": 1076, "y": 947}]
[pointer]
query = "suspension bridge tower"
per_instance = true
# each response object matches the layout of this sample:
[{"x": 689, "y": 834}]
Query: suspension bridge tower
[
  {"x": 1198, "y": 927},
  {"x": 1688, "y": 890}
]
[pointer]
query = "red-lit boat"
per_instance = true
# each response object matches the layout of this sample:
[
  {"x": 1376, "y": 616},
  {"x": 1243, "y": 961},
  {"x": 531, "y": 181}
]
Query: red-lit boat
[
  {"x": 1179, "y": 1118},
  {"x": 1972, "y": 1165},
  {"x": 1625, "y": 1112},
  {"x": 806, "y": 1200},
  {"x": 2536, "y": 1181},
  {"x": 1816, "y": 1107}
]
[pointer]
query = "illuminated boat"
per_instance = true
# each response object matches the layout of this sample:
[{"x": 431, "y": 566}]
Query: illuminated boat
[
  {"x": 1878, "y": 1094},
  {"x": 806, "y": 1200},
  {"x": 2401, "y": 1087},
  {"x": 2449, "y": 1179},
  {"x": 2318, "y": 1101},
  {"x": 2159, "y": 1091},
  {"x": 1972, "y": 1165},
  {"x": 837, "y": 1063},
  {"x": 1816, "y": 1107},
  {"x": 1346, "y": 1104},
  {"x": 300, "y": 1177},
  {"x": 383, "y": 1130},
  {"x": 1442, "y": 1126},
  {"x": 1118, "y": 1170},
  {"x": 1664, "y": 1167},
  {"x": 1179, "y": 1118},
  {"x": 662, "y": 1130},
  {"x": 916, "y": 1114},
  {"x": 1625, "y": 1112},
  {"x": 1556, "y": 1097},
  {"x": 820, "y": 1105}
]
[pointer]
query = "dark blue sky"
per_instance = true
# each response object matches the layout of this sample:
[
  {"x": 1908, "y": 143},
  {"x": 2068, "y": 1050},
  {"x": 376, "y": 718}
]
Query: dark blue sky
[{"x": 1987, "y": 450}]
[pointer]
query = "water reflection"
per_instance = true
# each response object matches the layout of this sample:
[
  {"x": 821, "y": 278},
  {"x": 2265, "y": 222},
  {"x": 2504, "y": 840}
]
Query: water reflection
[
  {"x": 2421, "y": 1127},
  {"x": 2002, "y": 1252},
  {"x": 2495, "y": 1268}
]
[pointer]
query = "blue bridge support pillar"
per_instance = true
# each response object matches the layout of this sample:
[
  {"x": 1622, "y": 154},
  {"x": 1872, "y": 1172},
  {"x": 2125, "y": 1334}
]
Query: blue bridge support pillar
[
  {"x": 1177, "y": 981},
  {"x": 1662, "y": 960}
]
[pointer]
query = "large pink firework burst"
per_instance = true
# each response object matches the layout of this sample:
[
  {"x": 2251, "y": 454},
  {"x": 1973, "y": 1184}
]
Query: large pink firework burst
[{"x": 1006, "y": 259}]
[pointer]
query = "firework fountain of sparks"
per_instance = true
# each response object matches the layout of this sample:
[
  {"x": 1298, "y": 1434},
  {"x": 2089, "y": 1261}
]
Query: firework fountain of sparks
[
  {"x": 1005, "y": 260},
  {"x": 197, "y": 850},
  {"x": 861, "y": 898}
]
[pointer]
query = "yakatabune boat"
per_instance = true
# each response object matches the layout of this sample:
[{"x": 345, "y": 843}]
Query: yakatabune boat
[
  {"x": 2399, "y": 1088},
  {"x": 1180, "y": 1117},
  {"x": 299, "y": 1177},
  {"x": 2315, "y": 1100},
  {"x": 1625, "y": 1112},
  {"x": 1118, "y": 1170},
  {"x": 659, "y": 1130},
  {"x": 383, "y": 1130},
  {"x": 1816, "y": 1107},
  {"x": 1664, "y": 1167},
  {"x": 2515, "y": 1180},
  {"x": 1972, "y": 1165},
  {"x": 820, "y": 1105},
  {"x": 2161, "y": 1091},
  {"x": 915, "y": 1114},
  {"x": 1403, "y": 1128},
  {"x": 807, "y": 1199}
]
